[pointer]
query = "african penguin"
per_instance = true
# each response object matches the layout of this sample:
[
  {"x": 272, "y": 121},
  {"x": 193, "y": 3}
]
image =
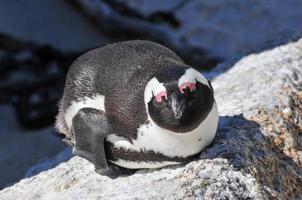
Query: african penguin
[{"x": 136, "y": 104}]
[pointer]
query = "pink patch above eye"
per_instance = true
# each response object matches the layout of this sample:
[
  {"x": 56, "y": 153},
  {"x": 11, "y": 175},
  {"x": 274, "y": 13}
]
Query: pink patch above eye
[
  {"x": 159, "y": 97},
  {"x": 191, "y": 86}
]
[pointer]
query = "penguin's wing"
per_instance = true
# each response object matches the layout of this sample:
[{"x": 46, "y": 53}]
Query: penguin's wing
[{"x": 90, "y": 127}]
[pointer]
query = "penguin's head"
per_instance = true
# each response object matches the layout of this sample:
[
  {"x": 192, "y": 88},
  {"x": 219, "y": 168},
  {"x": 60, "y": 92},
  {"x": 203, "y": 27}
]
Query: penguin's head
[{"x": 178, "y": 99}]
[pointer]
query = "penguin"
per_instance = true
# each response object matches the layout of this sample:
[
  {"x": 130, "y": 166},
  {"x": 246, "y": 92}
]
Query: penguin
[{"x": 136, "y": 104}]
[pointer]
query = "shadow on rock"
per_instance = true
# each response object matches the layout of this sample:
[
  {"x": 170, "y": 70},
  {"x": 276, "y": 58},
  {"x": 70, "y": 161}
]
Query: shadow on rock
[{"x": 246, "y": 148}]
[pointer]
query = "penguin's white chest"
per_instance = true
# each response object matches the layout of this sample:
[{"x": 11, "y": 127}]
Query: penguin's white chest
[{"x": 151, "y": 137}]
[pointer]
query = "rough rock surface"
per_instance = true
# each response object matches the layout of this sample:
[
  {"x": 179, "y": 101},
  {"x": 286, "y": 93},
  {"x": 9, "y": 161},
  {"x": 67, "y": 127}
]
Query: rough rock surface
[{"x": 256, "y": 154}]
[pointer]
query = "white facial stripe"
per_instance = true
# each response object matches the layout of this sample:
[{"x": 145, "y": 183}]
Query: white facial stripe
[
  {"x": 97, "y": 102},
  {"x": 153, "y": 87},
  {"x": 190, "y": 76}
]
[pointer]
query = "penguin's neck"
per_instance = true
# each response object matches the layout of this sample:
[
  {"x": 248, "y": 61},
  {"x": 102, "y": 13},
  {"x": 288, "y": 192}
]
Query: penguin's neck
[{"x": 153, "y": 137}]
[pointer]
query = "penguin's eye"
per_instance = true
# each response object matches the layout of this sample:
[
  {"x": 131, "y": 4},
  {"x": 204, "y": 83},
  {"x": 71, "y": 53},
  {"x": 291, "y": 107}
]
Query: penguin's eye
[
  {"x": 190, "y": 86},
  {"x": 160, "y": 96}
]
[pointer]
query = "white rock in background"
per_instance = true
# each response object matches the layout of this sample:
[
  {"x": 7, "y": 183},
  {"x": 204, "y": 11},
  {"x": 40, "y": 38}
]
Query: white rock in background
[
  {"x": 245, "y": 161},
  {"x": 226, "y": 29},
  {"x": 202, "y": 32}
]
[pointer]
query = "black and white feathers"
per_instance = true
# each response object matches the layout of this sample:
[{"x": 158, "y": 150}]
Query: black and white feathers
[{"x": 159, "y": 110}]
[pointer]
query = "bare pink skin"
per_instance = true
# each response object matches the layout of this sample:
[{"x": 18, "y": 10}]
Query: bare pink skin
[
  {"x": 159, "y": 97},
  {"x": 191, "y": 87}
]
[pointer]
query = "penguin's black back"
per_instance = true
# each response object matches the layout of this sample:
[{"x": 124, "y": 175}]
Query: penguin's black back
[{"x": 120, "y": 72}]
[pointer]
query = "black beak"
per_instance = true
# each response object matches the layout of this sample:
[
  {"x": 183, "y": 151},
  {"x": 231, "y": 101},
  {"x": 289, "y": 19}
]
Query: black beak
[{"x": 178, "y": 105}]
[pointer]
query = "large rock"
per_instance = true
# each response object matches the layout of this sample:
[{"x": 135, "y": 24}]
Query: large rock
[{"x": 256, "y": 154}]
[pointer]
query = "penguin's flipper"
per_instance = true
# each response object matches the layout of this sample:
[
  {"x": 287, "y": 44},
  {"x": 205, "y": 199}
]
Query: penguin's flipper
[{"x": 90, "y": 128}]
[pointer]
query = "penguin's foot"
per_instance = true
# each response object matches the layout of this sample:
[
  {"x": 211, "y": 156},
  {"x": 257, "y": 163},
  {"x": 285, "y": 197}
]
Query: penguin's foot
[
  {"x": 90, "y": 128},
  {"x": 114, "y": 171}
]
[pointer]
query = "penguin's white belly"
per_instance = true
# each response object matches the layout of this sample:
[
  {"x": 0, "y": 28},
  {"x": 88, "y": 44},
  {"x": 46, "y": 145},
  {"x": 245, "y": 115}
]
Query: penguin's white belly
[{"x": 151, "y": 137}]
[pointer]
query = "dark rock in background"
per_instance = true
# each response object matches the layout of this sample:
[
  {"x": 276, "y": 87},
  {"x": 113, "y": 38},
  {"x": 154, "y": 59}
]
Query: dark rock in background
[{"x": 32, "y": 80}]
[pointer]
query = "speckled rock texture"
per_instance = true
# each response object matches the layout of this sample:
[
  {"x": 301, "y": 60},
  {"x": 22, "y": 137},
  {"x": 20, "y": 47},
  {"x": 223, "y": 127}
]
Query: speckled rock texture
[{"x": 256, "y": 154}]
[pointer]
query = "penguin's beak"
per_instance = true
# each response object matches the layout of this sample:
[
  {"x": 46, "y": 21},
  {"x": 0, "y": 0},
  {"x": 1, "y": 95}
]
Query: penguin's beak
[{"x": 178, "y": 105}]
